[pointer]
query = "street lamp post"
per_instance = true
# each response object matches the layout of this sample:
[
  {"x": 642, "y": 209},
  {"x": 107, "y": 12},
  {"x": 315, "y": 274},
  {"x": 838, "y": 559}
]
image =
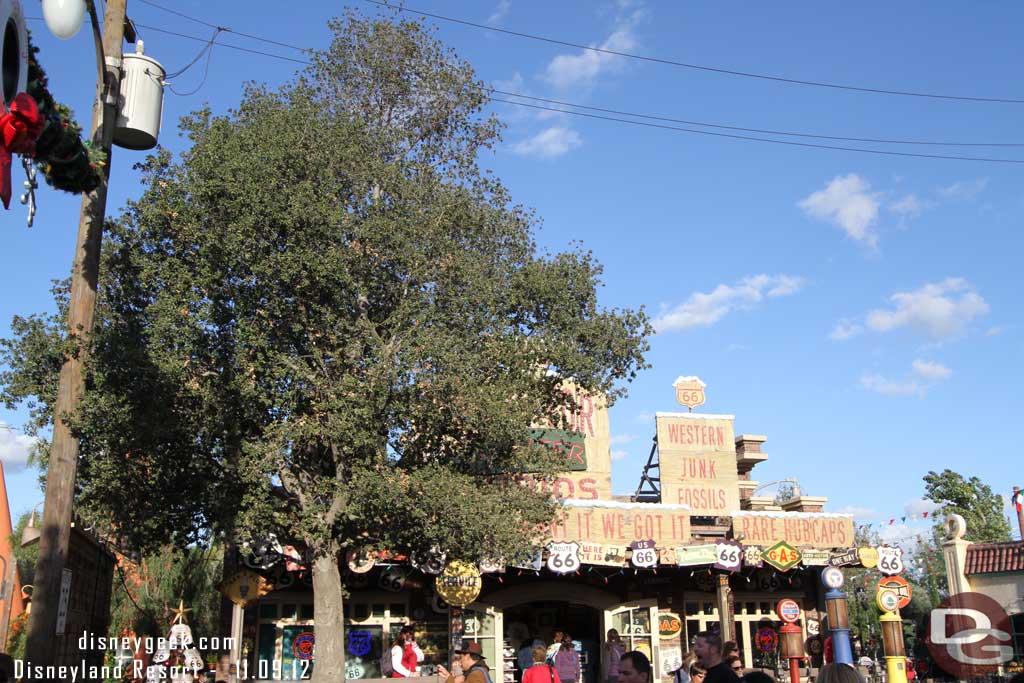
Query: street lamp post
[{"x": 60, "y": 475}]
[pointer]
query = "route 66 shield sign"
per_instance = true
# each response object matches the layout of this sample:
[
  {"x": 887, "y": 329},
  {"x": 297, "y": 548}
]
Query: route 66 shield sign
[
  {"x": 890, "y": 560},
  {"x": 564, "y": 558},
  {"x": 689, "y": 391}
]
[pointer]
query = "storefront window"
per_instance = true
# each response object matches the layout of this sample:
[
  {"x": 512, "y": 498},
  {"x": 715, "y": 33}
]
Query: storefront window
[
  {"x": 479, "y": 626},
  {"x": 634, "y": 626}
]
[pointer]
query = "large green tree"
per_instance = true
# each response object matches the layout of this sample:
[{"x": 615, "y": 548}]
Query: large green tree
[
  {"x": 973, "y": 500},
  {"x": 325, "y": 321}
]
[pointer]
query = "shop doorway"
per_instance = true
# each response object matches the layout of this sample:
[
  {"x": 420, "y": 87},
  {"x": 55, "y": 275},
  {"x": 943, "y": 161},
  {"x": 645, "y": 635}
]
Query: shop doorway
[{"x": 541, "y": 619}]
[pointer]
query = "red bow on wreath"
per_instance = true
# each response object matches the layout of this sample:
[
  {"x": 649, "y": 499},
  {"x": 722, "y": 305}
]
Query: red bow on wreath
[{"x": 19, "y": 129}]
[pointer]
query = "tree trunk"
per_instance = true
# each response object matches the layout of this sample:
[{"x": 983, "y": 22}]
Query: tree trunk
[{"x": 329, "y": 663}]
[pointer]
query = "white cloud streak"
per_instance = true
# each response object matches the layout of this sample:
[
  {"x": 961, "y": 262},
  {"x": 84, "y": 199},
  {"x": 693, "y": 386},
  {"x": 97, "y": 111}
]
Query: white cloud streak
[
  {"x": 847, "y": 203},
  {"x": 14, "y": 448},
  {"x": 939, "y": 310},
  {"x": 930, "y": 370},
  {"x": 619, "y": 455},
  {"x": 964, "y": 189},
  {"x": 888, "y": 387},
  {"x": 549, "y": 143},
  {"x": 500, "y": 12},
  {"x": 845, "y": 329},
  {"x": 583, "y": 68},
  {"x": 705, "y": 309}
]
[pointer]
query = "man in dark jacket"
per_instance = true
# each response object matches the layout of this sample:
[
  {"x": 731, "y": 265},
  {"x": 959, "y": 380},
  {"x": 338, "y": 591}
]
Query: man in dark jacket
[{"x": 708, "y": 647}]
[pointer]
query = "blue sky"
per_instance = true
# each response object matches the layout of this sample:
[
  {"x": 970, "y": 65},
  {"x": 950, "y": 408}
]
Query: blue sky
[{"x": 857, "y": 309}]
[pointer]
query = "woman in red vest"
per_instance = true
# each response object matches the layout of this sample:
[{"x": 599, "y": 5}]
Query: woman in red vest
[{"x": 405, "y": 654}]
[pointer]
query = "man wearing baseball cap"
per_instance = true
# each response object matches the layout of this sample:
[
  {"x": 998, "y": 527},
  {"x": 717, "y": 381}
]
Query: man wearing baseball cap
[{"x": 471, "y": 660}]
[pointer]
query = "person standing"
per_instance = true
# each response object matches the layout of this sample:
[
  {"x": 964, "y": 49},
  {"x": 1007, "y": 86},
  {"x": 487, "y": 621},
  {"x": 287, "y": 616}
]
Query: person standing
[
  {"x": 567, "y": 661},
  {"x": 471, "y": 661},
  {"x": 524, "y": 658},
  {"x": 708, "y": 647},
  {"x": 406, "y": 655},
  {"x": 556, "y": 643},
  {"x": 611, "y": 653},
  {"x": 540, "y": 671}
]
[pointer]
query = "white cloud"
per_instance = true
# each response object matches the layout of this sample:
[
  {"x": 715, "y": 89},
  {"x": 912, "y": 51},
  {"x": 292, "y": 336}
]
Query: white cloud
[
  {"x": 500, "y": 12},
  {"x": 858, "y": 512},
  {"x": 995, "y": 330},
  {"x": 918, "y": 506},
  {"x": 898, "y": 533},
  {"x": 14, "y": 448},
  {"x": 702, "y": 310},
  {"x": 964, "y": 189},
  {"x": 644, "y": 418},
  {"x": 845, "y": 329},
  {"x": 619, "y": 455},
  {"x": 846, "y": 202},
  {"x": 620, "y": 439},
  {"x": 939, "y": 310},
  {"x": 577, "y": 70},
  {"x": 549, "y": 143},
  {"x": 931, "y": 371},
  {"x": 909, "y": 206},
  {"x": 887, "y": 387}
]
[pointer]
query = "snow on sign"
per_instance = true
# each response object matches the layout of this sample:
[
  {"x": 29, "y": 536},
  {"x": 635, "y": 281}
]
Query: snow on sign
[
  {"x": 564, "y": 558},
  {"x": 890, "y": 560},
  {"x": 788, "y": 610},
  {"x": 645, "y": 554}
]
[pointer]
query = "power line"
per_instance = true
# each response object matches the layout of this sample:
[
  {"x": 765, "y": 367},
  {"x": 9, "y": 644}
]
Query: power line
[
  {"x": 759, "y": 130},
  {"x": 227, "y": 45},
  {"x": 660, "y": 126},
  {"x": 700, "y": 67},
  {"x": 222, "y": 28},
  {"x": 757, "y": 139}
]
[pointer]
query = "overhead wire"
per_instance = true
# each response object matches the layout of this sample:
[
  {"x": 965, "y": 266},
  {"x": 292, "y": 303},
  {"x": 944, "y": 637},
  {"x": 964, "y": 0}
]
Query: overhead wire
[
  {"x": 699, "y": 67},
  {"x": 650, "y": 117},
  {"x": 758, "y": 139},
  {"x": 758, "y": 130}
]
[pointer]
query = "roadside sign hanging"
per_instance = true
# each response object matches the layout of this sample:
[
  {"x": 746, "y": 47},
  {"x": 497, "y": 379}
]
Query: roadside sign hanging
[
  {"x": 782, "y": 556},
  {"x": 868, "y": 557},
  {"x": 459, "y": 584},
  {"x": 644, "y": 555},
  {"x": 729, "y": 556},
  {"x": 564, "y": 558},
  {"x": 832, "y": 577},
  {"x": 890, "y": 560}
]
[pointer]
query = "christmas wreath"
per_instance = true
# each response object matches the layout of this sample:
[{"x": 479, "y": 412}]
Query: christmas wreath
[{"x": 67, "y": 162}]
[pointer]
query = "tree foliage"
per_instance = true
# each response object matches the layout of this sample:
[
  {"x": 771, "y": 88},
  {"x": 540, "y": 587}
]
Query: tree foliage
[
  {"x": 973, "y": 500},
  {"x": 327, "y": 322}
]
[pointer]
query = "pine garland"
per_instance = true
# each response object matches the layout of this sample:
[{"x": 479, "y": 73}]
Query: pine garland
[{"x": 67, "y": 162}]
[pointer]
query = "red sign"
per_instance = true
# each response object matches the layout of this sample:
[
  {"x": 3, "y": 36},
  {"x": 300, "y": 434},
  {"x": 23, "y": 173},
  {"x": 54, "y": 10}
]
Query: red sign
[
  {"x": 969, "y": 635},
  {"x": 788, "y": 610},
  {"x": 767, "y": 639},
  {"x": 899, "y": 586}
]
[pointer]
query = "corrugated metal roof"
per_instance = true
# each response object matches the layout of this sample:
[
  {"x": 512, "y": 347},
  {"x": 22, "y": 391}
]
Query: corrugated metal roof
[{"x": 991, "y": 558}]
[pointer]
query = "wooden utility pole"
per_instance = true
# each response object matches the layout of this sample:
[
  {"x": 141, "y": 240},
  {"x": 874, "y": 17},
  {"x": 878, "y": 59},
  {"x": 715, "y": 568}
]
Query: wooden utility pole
[{"x": 60, "y": 475}]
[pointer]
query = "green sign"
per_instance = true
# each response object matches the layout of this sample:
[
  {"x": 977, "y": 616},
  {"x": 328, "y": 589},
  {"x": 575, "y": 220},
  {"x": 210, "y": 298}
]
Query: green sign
[
  {"x": 782, "y": 556},
  {"x": 569, "y": 445}
]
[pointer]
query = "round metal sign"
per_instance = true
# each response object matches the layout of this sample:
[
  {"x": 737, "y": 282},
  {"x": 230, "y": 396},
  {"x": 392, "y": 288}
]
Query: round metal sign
[
  {"x": 459, "y": 584},
  {"x": 888, "y": 601},
  {"x": 832, "y": 577},
  {"x": 360, "y": 561},
  {"x": 788, "y": 610},
  {"x": 899, "y": 586}
]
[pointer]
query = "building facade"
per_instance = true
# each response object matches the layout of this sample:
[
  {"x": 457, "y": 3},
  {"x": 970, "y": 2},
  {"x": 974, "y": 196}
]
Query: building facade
[{"x": 694, "y": 549}]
